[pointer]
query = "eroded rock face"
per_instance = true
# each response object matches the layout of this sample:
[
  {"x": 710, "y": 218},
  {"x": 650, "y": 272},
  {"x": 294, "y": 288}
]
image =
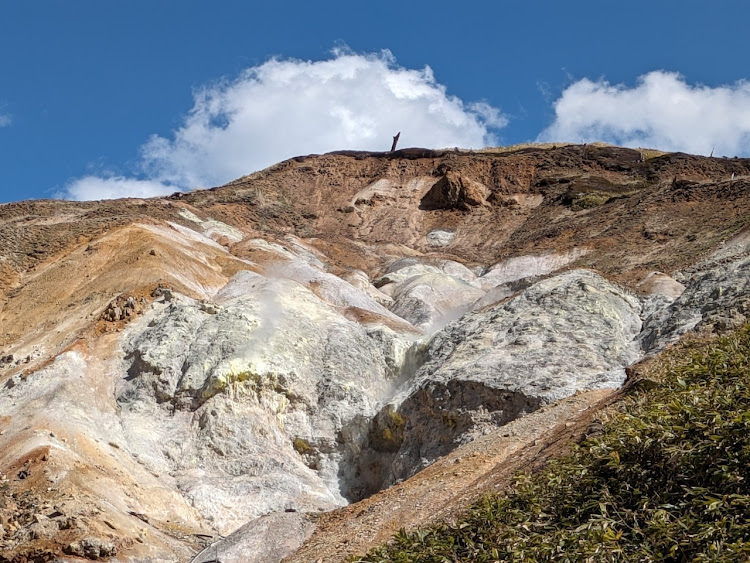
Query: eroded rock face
[
  {"x": 429, "y": 295},
  {"x": 717, "y": 296},
  {"x": 454, "y": 191},
  {"x": 526, "y": 267},
  {"x": 280, "y": 396},
  {"x": 440, "y": 237},
  {"x": 359, "y": 279},
  {"x": 272, "y": 388},
  {"x": 494, "y": 365}
]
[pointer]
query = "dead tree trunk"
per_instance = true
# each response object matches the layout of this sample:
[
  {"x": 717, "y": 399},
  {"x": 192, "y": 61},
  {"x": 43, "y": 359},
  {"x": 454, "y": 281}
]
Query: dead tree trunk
[{"x": 395, "y": 141}]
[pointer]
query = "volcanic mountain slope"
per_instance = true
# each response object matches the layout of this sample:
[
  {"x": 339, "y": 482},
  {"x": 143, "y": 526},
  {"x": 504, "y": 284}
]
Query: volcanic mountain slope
[{"x": 246, "y": 357}]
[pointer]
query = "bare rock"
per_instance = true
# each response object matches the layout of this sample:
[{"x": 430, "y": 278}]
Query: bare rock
[
  {"x": 359, "y": 280},
  {"x": 527, "y": 267},
  {"x": 268, "y": 394},
  {"x": 716, "y": 297},
  {"x": 122, "y": 308},
  {"x": 91, "y": 548},
  {"x": 491, "y": 366},
  {"x": 43, "y": 527},
  {"x": 431, "y": 300},
  {"x": 440, "y": 237},
  {"x": 454, "y": 191},
  {"x": 658, "y": 283}
]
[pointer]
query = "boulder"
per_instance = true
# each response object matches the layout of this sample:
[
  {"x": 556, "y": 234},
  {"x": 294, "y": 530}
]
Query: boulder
[
  {"x": 454, "y": 191},
  {"x": 440, "y": 237},
  {"x": 91, "y": 548},
  {"x": 658, "y": 283}
]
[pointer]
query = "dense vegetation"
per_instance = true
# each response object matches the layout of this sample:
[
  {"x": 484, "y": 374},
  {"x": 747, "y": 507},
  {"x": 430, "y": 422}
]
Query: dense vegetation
[{"x": 667, "y": 481}]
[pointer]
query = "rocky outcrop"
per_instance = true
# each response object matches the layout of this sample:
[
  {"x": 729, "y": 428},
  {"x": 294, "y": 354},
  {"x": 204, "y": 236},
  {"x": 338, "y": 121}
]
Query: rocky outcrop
[
  {"x": 91, "y": 548},
  {"x": 493, "y": 365},
  {"x": 454, "y": 191},
  {"x": 429, "y": 295},
  {"x": 123, "y": 308},
  {"x": 527, "y": 267},
  {"x": 273, "y": 386},
  {"x": 319, "y": 398},
  {"x": 659, "y": 284},
  {"x": 440, "y": 237},
  {"x": 429, "y": 301},
  {"x": 716, "y": 297}
]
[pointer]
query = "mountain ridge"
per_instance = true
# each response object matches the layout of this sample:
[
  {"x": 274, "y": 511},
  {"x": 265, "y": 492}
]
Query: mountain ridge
[{"x": 324, "y": 299}]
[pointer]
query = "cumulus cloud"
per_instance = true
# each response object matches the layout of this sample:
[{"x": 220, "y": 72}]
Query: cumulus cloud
[
  {"x": 661, "y": 111},
  {"x": 284, "y": 108},
  {"x": 112, "y": 187}
]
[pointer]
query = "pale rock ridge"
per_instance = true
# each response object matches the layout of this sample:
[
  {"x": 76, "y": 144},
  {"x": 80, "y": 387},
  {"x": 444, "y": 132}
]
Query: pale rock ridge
[
  {"x": 330, "y": 288},
  {"x": 494, "y": 365},
  {"x": 430, "y": 300},
  {"x": 427, "y": 295},
  {"x": 212, "y": 228},
  {"x": 361, "y": 281},
  {"x": 529, "y": 266},
  {"x": 385, "y": 189}
]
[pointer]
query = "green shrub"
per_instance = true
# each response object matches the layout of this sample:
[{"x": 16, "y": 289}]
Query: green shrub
[
  {"x": 589, "y": 200},
  {"x": 668, "y": 481},
  {"x": 387, "y": 430},
  {"x": 302, "y": 446}
]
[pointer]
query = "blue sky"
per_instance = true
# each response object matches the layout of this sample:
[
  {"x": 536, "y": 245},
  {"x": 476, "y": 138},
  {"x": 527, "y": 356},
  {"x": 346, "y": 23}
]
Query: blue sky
[{"x": 100, "y": 99}]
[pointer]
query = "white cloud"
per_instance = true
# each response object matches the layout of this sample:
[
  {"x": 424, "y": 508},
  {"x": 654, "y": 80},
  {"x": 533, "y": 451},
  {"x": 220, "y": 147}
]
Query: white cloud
[
  {"x": 5, "y": 118},
  {"x": 661, "y": 111},
  {"x": 285, "y": 108},
  {"x": 95, "y": 187}
]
